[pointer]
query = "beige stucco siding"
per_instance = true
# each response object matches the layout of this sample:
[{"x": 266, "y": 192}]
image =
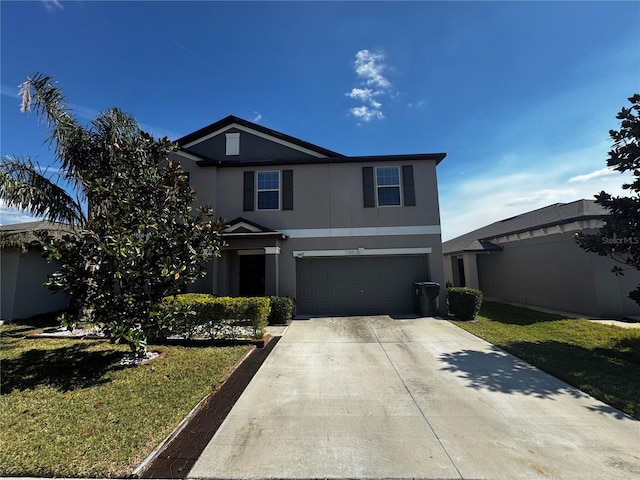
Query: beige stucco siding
[
  {"x": 21, "y": 284},
  {"x": 550, "y": 271},
  {"x": 611, "y": 291},
  {"x": 324, "y": 196},
  {"x": 328, "y": 214}
]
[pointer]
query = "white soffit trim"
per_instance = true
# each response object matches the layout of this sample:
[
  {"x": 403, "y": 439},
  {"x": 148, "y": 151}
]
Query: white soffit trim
[
  {"x": 361, "y": 252},
  {"x": 362, "y": 231},
  {"x": 257, "y": 134},
  {"x": 576, "y": 226},
  {"x": 239, "y": 225},
  {"x": 186, "y": 155}
]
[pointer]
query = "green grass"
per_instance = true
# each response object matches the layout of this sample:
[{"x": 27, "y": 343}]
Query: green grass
[
  {"x": 601, "y": 360},
  {"x": 68, "y": 409}
]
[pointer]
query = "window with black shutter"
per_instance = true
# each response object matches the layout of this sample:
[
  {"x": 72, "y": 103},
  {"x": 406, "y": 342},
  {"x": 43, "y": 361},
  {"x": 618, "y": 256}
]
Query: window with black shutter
[{"x": 388, "y": 186}]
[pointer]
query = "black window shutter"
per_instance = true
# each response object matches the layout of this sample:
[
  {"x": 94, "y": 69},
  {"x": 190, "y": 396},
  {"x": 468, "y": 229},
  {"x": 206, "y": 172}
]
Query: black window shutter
[
  {"x": 407, "y": 186},
  {"x": 248, "y": 191},
  {"x": 287, "y": 189},
  {"x": 368, "y": 188}
]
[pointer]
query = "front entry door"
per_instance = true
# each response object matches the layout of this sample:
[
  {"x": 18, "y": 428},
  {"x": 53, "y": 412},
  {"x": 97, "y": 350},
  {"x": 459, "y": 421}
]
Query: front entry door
[{"x": 252, "y": 269}]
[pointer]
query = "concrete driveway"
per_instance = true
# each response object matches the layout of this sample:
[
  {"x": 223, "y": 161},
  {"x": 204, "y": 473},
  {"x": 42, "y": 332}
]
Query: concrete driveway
[{"x": 376, "y": 397}]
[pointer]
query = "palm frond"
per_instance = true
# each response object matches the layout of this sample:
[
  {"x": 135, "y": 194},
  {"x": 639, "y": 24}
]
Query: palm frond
[
  {"x": 23, "y": 186},
  {"x": 52, "y": 108}
]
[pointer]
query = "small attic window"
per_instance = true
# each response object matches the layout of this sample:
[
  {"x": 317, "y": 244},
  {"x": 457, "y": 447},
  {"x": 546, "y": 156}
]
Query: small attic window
[{"x": 233, "y": 143}]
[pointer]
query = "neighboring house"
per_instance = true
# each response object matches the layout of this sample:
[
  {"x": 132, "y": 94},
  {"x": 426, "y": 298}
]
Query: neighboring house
[
  {"x": 533, "y": 259},
  {"x": 23, "y": 271},
  {"x": 341, "y": 234}
]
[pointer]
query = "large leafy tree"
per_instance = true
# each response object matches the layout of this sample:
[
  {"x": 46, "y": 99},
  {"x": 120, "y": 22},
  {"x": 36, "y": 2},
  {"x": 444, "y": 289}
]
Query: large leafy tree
[
  {"x": 619, "y": 238},
  {"x": 138, "y": 240}
]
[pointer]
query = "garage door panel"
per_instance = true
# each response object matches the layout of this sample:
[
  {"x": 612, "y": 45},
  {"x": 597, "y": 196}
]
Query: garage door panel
[{"x": 362, "y": 285}]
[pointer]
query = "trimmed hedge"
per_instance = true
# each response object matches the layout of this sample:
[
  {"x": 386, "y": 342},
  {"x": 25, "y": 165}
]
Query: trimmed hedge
[
  {"x": 464, "y": 303},
  {"x": 201, "y": 315},
  {"x": 281, "y": 310}
]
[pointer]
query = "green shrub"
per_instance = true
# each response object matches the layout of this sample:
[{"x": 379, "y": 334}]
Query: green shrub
[
  {"x": 183, "y": 314},
  {"x": 464, "y": 303},
  {"x": 281, "y": 310},
  {"x": 202, "y": 315},
  {"x": 249, "y": 312}
]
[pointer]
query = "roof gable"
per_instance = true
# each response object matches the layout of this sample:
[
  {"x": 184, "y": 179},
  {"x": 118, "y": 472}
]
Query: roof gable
[
  {"x": 241, "y": 227},
  {"x": 257, "y": 142}
]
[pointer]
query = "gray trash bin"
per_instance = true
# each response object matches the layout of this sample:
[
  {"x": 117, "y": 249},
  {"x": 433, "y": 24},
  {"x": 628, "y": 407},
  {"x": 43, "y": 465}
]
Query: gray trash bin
[{"x": 425, "y": 298}]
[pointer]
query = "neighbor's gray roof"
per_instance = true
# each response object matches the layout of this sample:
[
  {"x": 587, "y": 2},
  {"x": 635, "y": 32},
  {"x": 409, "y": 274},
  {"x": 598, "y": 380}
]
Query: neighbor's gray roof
[
  {"x": 23, "y": 234},
  {"x": 557, "y": 214}
]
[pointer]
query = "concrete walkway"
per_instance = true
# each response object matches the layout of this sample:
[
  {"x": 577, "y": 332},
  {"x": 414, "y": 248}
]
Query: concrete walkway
[{"x": 376, "y": 397}]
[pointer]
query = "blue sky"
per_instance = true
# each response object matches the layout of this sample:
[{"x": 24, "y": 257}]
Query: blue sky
[{"x": 520, "y": 95}]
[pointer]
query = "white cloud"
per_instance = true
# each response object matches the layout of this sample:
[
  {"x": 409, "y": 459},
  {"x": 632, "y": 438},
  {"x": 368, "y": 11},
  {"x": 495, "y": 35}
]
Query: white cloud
[
  {"x": 366, "y": 114},
  {"x": 520, "y": 183},
  {"x": 8, "y": 91},
  {"x": 604, "y": 172},
  {"x": 52, "y": 5},
  {"x": 546, "y": 196},
  {"x": 496, "y": 199},
  {"x": 157, "y": 132},
  {"x": 418, "y": 104},
  {"x": 9, "y": 215},
  {"x": 84, "y": 112},
  {"x": 362, "y": 94},
  {"x": 366, "y": 95},
  {"x": 369, "y": 66}
]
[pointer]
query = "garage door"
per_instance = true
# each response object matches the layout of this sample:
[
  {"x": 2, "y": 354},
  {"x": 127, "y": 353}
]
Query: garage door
[{"x": 358, "y": 285}]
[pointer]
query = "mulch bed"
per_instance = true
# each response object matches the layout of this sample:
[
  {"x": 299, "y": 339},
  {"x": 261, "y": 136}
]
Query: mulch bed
[
  {"x": 60, "y": 333},
  {"x": 182, "y": 451}
]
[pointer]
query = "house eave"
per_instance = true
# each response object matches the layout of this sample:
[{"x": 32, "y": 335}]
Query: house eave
[
  {"x": 25, "y": 235},
  {"x": 278, "y": 235},
  {"x": 581, "y": 218},
  {"x": 413, "y": 157},
  {"x": 580, "y": 222}
]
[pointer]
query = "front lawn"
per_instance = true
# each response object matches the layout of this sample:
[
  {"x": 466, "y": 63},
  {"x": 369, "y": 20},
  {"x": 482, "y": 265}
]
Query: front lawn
[
  {"x": 67, "y": 408},
  {"x": 601, "y": 360}
]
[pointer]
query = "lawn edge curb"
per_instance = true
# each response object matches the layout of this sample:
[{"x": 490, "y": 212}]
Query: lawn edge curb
[{"x": 194, "y": 411}]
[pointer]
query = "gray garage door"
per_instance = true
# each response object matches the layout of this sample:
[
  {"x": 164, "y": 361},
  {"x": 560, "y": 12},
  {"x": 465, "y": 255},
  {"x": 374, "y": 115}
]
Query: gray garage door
[{"x": 358, "y": 285}]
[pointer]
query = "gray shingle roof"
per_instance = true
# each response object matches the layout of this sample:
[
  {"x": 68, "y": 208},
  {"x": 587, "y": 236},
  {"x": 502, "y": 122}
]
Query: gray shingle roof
[
  {"x": 23, "y": 234},
  {"x": 556, "y": 214}
]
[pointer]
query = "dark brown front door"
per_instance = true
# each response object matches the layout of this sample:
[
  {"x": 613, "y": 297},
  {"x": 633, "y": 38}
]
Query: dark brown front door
[{"x": 252, "y": 275}]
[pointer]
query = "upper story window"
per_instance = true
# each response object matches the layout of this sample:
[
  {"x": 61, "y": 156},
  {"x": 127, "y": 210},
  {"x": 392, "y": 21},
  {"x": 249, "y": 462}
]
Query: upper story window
[
  {"x": 268, "y": 190},
  {"x": 273, "y": 189},
  {"x": 388, "y": 186}
]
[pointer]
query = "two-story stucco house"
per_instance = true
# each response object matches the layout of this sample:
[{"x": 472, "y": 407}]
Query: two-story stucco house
[{"x": 341, "y": 234}]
